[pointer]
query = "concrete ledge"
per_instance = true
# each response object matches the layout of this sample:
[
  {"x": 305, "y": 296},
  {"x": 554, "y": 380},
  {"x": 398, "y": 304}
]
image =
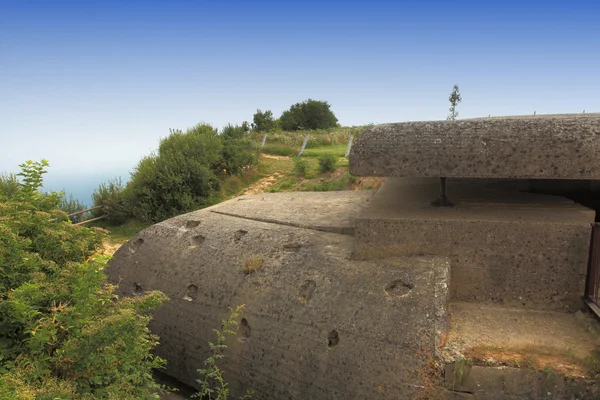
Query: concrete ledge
[
  {"x": 505, "y": 383},
  {"x": 506, "y": 247},
  {"x": 548, "y": 146},
  {"x": 322, "y": 211}
]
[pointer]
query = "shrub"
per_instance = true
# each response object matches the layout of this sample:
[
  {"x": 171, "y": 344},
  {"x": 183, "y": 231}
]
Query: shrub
[
  {"x": 179, "y": 178},
  {"x": 300, "y": 166},
  {"x": 63, "y": 332},
  {"x": 327, "y": 162},
  {"x": 310, "y": 114},
  {"x": 9, "y": 185},
  {"x": 72, "y": 205},
  {"x": 239, "y": 153},
  {"x": 111, "y": 196}
]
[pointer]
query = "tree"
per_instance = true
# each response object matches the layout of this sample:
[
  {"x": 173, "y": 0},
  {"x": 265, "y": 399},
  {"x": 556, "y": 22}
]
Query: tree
[
  {"x": 454, "y": 99},
  {"x": 245, "y": 126},
  {"x": 310, "y": 114},
  {"x": 263, "y": 121},
  {"x": 64, "y": 334}
]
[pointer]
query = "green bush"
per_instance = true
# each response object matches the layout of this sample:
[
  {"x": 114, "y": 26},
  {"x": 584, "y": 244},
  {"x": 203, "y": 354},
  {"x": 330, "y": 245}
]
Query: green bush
[
  {"x": 179, "y": 178},
  {"x": 327, "y": 162},
  {"x": 63, "y": 332},
  {"x": 310, "y": 114},
  {"x": 111, "y": 196},
  {"x": 239, "y": 153},
  {"x": 301, "y": 166},
  {"x": 71, "y": 205},
  {"x": 9, "y": 185}
]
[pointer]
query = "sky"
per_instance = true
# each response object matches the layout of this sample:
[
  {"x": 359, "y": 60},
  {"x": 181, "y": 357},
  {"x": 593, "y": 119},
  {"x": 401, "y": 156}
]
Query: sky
[{"x": 92, "y": 85}]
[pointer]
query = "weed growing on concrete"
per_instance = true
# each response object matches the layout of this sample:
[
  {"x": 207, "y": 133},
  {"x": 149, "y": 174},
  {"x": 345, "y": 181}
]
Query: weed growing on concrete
[
  {"x": 462, "y": 366},
  {"x": 253, "y": 265},
  {"x": 592, "y": 363},
  {"x": 213, "y": 384}
]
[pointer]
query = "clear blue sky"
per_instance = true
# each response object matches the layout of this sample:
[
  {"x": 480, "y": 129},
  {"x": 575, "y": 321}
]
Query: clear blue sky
[{"x": 93, "y": 85}]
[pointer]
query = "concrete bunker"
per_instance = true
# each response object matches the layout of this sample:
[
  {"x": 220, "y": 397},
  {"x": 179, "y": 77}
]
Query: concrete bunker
[{"x": 377, "y": 294}]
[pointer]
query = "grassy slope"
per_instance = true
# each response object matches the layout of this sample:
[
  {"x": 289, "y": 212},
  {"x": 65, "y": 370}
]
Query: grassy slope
[{"x": 275, "y": 171}]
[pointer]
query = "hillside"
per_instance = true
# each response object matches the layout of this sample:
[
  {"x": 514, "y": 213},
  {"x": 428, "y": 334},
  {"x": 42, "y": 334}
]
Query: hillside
[{"x": 277, "y": 171}]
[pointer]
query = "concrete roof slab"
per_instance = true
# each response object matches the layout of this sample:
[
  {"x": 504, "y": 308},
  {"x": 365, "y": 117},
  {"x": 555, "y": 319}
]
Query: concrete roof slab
[{"x": 538, "y": 147}]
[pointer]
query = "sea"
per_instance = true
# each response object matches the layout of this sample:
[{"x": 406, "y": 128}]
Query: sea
[{"x": 81, "y": 185}]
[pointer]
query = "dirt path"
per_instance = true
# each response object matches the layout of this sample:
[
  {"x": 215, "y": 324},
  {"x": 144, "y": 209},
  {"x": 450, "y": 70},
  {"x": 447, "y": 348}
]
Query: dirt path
[
  {"x": 274, "y": 157},
  {"x": 263, "y": 185}
]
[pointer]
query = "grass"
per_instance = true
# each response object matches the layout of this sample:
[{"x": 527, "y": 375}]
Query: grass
[
  {"x": 254, "y": 264},
  {"x": 233, "y": 184},
  {"x": 279, "y": 149},
  {"x": 343, "y": 182},
  {"x": 325, "y": 137},
  {"x": 122, "y": 233},
  {"x": 338, "y": 150}
]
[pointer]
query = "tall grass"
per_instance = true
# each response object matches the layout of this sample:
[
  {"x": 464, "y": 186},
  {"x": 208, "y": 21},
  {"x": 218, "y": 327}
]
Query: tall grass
[{"x": 321, "y": 137}]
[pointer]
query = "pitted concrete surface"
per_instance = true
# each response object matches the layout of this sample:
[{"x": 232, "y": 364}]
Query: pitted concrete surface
[
  {"x": 325, "y": 211},
  {"x": 542, "y": 147},
  {"x": 507, "y": 247},
  {"x": 317, "y": 324}
]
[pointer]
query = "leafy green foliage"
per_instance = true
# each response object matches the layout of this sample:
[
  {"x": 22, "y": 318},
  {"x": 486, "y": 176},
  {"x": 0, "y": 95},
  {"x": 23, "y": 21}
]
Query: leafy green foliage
[
  {"x": 310, "y": 114},
  {"x": 63, "y": 333},
  {"x": 212, "y": 382},
  {"x": 301, "y": 166},
  {"x": 179, "y": 178},
  {"x": 111, "y": 196},
  {"x": 327, "y": 162},
  {"x": 238, "y": 151},
  {"x": 187, "y": 170},
  {"x": 9, "y": 185},
  {"x": 263, "y": 121},
  {"x": 454, "y": 99}
]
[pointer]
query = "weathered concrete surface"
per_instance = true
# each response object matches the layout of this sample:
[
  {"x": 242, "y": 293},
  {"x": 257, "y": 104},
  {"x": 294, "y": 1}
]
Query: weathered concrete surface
[
  {"x": 480, "y": 331},
  {"x": 326, "y": 211},
  {"x": 506, "y": 383},
  {"x": 507, "y": 247},
  {"x": 317, "y": 325},
  {"x": 545, "y": 146}
]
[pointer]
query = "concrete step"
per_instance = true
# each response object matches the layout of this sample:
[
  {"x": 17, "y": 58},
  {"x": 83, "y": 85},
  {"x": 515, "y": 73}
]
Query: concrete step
[
  {"x": 507, "y": 247},
  {"x": 512, "y": 353}
]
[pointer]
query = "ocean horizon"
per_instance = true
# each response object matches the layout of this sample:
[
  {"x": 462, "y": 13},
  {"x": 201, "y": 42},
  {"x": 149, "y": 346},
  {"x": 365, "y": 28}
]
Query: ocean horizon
[{"x": 81, "y": 185}]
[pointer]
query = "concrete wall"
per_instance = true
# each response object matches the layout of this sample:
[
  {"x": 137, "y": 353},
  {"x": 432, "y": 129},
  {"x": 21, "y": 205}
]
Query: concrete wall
[
  {"x": 317, "y": 325},
  {"x": 506, "y": 247}
]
